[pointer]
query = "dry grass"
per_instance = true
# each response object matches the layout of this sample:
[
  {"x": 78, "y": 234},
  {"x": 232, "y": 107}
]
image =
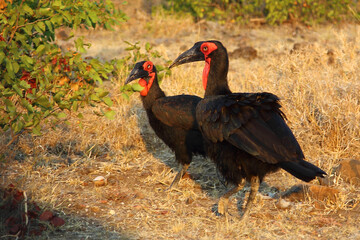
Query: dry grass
[{"x": 321, "y": 101}]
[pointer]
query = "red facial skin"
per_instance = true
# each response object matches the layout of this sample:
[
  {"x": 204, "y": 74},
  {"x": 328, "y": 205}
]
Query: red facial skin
[
  {"x": 207, "y": 48},
  {"x": 148, "y": 66}
]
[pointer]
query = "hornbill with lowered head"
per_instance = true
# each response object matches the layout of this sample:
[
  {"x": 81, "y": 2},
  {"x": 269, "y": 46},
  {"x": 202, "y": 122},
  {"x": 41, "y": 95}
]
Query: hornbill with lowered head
[
  {"x": 245, "y": 133},
  {"x": 172, "y": 118}
]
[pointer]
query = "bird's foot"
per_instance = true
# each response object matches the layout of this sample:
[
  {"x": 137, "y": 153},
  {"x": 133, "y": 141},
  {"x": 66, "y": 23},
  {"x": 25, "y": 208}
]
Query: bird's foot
[
  {"x": 175, "y": 181},
  {"x": 178, "y": 176}
]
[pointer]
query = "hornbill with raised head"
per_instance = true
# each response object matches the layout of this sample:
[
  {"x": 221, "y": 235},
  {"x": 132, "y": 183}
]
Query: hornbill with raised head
[
  {"x": 172, "y": 118},
  {"x": 245, "y": 133}
]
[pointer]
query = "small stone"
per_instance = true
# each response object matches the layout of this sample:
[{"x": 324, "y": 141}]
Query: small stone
[
  {"x": 46, "y": 216},
  {"x": 95, "y": 209},
  {"x": 137, "y": 207},
  {"x": 112, "y": 212},
  {"x": 246, "y": 52},
  {"x": 57, "y": 221},
  {"x": 349, "y": 170},
  {"x": 140, "y": 195},
  {"x": 189, "y": 201},
  {"x": 100, "y": 181},
  {"x": 283, "y": 204},
  {"x": 300, "y": 47}
]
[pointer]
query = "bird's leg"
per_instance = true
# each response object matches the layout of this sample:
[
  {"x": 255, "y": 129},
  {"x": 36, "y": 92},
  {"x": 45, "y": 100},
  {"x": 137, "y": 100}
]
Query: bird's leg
[
  {"x": 255, "y": 184},
  {"x": 224, "y": 199},
  {"x": 178, "y": 176}
]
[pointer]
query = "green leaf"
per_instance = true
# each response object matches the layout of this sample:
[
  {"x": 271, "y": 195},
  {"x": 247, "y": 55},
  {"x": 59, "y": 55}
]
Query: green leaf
[
  {"x": 40, "y": 49},
  {"x": 44, "y": 11},
  {"x": 94, "y": 18},
  {"x": 67, "y": 16},
  {"x": 148, "y": 47},
  {"x": 9, "y": 67},
  {"x": 49, "y": 25},
  {"x": 75, "y": 106},
  {"x": 108, "y": 101},
  {"x": 36, "y": 130},
  {"x": 101, "y": 92},
  {"x": 18, "y": 90},
  {"x": 41, "y": 25},
  {"x": 124, "y": 95},
  {"x": 24, "y": 85},
  {"x": 137, "y": 88},
  {"x": 95, "y": 98},
  {"x": 57, "y": 4},
  {"x": 9, "y": 105},
  {"x": 28, "y": 29},
  {"x": 28, "y": 9},
  {"x": 12, "y": 19},
  {"x": 79, "y": 44},
  {"x": 110, "y": 114},
  {"x": 43, "y": 101},
  {"x": 28, "y": 60},
  {"x": 27, "y": 105},
  {"x": 61, "y": 115},
  {"x": 16, "y": 67},
  {"x": 17, "y": 126},
  {"x": 58, "y": 96},
  {"x": 2, "y": 56},
  {"x": 7, "y": 92}
]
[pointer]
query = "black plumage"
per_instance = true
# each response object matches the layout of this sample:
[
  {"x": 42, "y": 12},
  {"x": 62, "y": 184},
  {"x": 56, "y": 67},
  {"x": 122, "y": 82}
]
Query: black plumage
[
  {"x": 245, "y": 134},
  {"x": 172, "y": 118}
]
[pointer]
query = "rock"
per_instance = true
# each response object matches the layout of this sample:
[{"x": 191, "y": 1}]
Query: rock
[
  {"x": 46, "y": 216},
  {"x": 246, "y": 52},
  {"x": 283, "y": 204},
  {"x": 189, "y": 201},
  {"x": 301, "y": 191},
  {"x": 300, "y": 47},
  {"x": 100, "y": 181},
  {"x": 331, "y": 56},
  {"x": 349, "y": 170},
  {"x": 57, "y": 221}
]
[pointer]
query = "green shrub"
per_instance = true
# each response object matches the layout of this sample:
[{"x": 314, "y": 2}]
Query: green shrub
[
  {"x": 274, "y": 11},
  {"x": 38, "y": 82},
  {"x": 307, "y": 11}
]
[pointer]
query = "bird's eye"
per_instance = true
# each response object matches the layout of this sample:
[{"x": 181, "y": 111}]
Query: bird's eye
[
  {"x": 148, "y": 66},
  {"x": 205, "y": 48}
]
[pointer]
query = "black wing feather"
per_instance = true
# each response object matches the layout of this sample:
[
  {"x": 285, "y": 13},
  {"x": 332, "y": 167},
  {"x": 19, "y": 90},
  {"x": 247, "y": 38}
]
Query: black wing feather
[
  {"x": 177, "y": 111},
  {"x": 252, "y": 122}
]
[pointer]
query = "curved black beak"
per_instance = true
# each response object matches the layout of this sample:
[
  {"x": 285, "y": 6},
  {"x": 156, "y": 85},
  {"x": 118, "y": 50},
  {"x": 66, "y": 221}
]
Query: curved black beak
[
  {"x": 137, "y": 72},
  {"x": 192, "y": 55}
]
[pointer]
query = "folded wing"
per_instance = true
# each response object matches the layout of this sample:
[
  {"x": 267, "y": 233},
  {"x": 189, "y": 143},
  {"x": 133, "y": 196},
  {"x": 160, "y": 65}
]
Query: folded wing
[
  {"x": 252, "y": 122},
  {"x": 177, "y": 111}
]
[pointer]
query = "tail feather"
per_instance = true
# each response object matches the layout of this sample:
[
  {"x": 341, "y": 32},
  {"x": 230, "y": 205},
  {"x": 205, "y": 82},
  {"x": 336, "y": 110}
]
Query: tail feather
[{"x": 302, "y": 170}]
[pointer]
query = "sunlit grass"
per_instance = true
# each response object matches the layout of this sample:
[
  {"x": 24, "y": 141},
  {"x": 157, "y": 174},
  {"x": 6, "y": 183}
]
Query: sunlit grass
[{"x": 320, "y": 100}]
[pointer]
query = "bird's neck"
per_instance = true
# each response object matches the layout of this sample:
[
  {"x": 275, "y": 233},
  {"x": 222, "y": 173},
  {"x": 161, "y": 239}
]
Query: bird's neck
[
  {"x": 217, "y": 83},
  {"x": 154, "y": 93}
]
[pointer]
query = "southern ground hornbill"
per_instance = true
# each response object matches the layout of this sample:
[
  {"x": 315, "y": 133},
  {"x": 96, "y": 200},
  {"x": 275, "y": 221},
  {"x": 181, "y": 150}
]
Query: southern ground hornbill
[
  {"x": 245, "y": 134},
  {"x": 172, "y": 118}
]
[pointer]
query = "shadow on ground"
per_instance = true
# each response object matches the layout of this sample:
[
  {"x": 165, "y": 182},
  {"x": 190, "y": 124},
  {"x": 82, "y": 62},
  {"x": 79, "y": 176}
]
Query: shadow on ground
[
  {"x": 201, "y": 170},
  {"x": 21, "y": 218}
]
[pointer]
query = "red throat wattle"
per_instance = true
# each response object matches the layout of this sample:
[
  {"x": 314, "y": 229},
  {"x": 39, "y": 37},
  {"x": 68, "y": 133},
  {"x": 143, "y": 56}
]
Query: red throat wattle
[
  {"x": 147, "y": 86},
  {"x": 207, "y": 48},
  {"x": 206, "y": 71}
]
